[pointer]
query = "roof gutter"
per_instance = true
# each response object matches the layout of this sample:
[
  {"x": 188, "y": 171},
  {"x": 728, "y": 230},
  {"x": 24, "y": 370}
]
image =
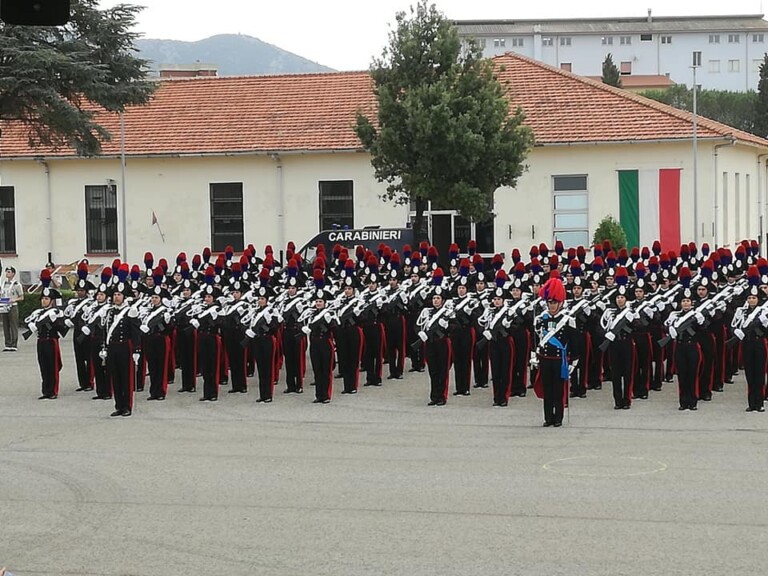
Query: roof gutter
[
  {"x": 639, "y": 142},
  {"x": 265, "y": 153}
]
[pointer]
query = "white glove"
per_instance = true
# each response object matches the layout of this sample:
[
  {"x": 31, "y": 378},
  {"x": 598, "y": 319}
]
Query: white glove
[
  {"x": 631, "y": 316},
  {"x": 610, "y": 336},
  {"x": 32, "y": 327},
  {"x": 443, "y": 322},
  {"x": 534, "y": 362},
  {"x": 307, "y": 330},
  {"x": 649, "y": 311},
  {"x": 379, "y": 303},
  {"x": 86, "y": 331},
  {"x": 404, "y": 297},
  {"x": 144, "y": 328},
  {"x": 506, "y": 323},
  {"x": 133, "y": 313},
  {"x": 587, "y": 310},
  {"x": 423, "y": 336},
  {"x": 103, "y": 354},
  {"x": 68, "y": 323},
  {"x": 699, "y": 317},
  {"x": 572, "y": 322},
  {"x": 738, "y": 290},
  {"x": 660, "y": 306},
  {"x": 763, "y": 318},
  {"x": 250, "y": 333},
  {"x": 487, "y": 335},
  {"x": 167, "y": 317},
  {"x": 214, "y": 314},
  {"x": 601, "y": 305},
  {"x": 136, "y": 357},
  {"x": 672, "y": 332},
  {"x": 195, "y": 323},
  {"x": 739, "y": 333},
  {"x": 168, "y": 303}
]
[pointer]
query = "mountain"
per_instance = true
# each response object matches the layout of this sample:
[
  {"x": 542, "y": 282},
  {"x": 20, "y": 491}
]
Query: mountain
[{"x": 234, "y": 54}]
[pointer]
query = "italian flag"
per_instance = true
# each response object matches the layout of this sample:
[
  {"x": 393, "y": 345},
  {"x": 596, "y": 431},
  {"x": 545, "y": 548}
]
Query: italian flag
[{"x": 649, "y": 207}]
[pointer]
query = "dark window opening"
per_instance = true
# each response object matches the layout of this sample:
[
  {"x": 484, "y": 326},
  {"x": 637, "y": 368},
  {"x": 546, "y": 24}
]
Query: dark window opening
[
  {"x": 101, "y": 219},
  {"x": 7, "y": 220},
  {"x": 227, "y": 216},
  {"x": 337, "y": 204}
]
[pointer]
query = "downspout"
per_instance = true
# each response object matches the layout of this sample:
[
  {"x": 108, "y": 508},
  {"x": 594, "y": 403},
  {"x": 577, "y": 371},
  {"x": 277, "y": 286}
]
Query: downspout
[
  {"x": 280, "y": 203},
  {"x": 48, "y": 209},
  {"x": 760, "y": 203},
  {"x": 716, "y": 205}
]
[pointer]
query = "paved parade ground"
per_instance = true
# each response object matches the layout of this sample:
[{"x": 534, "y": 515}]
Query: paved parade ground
[{"x": 376, "y": 484}]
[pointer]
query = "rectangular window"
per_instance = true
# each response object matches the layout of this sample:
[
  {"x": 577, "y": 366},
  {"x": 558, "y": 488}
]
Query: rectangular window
[
  {"x": 547, "y": 41},
  {"x": 571, "y": 210},
  {"x": 734, "y": 38},
  {"x": 607, "y": 40},
  {"x": 733, "y": 66},
  {"x": 714, "y": 66},
  {"x": 7, "y": 220},
  {"x": 666, "y": 39},
  {"x": 565, "y": 66},
  {"x": 499, "y": 42},
  {"x": 101, "y": 219},
  {"x": 517, "y": 42},
  {"x": 714, "y": 38},
  {"x": 565, "y": 41},
  {"x": 625, "y": 68},
  {"x": 227, "y": 216},
  {"x": 625, "y": 40},
  {"x": 646, "y": 37},
  {"x": 337, "y": 204},
  {"x": 758, "y": 38}
]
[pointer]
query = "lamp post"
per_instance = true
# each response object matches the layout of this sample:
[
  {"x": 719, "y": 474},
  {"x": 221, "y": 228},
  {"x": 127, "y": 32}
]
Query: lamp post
[{"x": 695, "y": 64}]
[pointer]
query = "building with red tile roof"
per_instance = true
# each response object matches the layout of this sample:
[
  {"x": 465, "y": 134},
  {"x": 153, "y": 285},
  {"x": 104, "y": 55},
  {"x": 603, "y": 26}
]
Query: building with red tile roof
[{"x": 284, "y": 148}]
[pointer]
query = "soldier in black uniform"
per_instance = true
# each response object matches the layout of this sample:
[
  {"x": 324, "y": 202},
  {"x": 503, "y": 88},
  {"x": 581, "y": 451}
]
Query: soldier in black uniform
[
  {"x": 209, "y": 343},
  {"x": 74, "y": 320},
  {"x": 294, "y": 341},
  {"x": 463, "y": 337},
  {"x": 480, "y": 358},
  {"x": 393, "y": 316},
  {"x": 48, "y": 323},
  {"x": 321, "y": 350},
  {"x": 433, "y": 326},
  {"x": 232, "y": 336},
  {"x": 617, "y": 322},
  {"x": 749, "y": 327},
  {"x": 123, "y": 348},
  {"x": 348, "y": 334},
  {"x": 496, "y": 338},
  {"x": 684, "y": 326},
  {"x": 186, "y": 337},
  {"x": 95, "y": 330},
  {"x": 156, "y": 327},
  {"x": 263, "y": 334}
]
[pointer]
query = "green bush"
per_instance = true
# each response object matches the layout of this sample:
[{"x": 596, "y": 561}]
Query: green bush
[
  {"x": 31, "y": 302},
  {"x": 610, "y": 229}
]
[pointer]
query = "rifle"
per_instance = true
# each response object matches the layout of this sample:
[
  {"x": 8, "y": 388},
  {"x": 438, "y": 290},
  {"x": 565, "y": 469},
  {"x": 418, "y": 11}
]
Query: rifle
[
  {"x": 751, "y": 324},
  {"x": 622, "y": 323},
  {"x": 431, "y": 326},
  {"x": 44, "y": 317}
]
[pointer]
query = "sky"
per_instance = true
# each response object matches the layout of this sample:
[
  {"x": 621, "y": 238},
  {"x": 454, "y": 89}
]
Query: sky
[{"x": 348, "y": 34}]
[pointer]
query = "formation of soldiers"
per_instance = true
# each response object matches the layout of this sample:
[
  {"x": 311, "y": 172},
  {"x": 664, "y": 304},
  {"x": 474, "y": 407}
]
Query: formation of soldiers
[{"x": 562, "y": 322}]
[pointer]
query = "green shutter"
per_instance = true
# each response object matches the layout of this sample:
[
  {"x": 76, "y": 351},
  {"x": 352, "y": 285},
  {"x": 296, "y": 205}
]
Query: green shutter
[{"x": 629, "y": 205}]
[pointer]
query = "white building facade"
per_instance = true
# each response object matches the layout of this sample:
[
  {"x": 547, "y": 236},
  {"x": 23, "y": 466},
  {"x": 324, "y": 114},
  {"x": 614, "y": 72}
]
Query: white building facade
[{"x": 731, "y": 47}]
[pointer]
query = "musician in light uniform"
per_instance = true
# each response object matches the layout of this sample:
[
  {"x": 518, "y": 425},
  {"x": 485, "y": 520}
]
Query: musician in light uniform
[
  {"x": 48, "y": 324},
  {"x": 749, "y": 326},
  {"x": 433, "y": 323}
]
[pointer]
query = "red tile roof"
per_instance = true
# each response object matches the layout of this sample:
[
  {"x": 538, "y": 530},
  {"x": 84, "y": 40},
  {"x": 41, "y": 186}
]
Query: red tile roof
[
  {"x": 635, "y": 81},
  {"x": 316, "y": 112}
]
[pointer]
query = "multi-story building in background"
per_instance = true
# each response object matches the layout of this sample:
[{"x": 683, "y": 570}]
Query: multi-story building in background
[{"x": 731, "y": 47}]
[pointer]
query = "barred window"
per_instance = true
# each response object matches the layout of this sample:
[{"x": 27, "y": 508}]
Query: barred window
[
  {"x": 227, "y": 216},
  {"x": 7, "y": 220},
  {"x": 101, "y": 219},
  {"x": 337, "y": 204}
]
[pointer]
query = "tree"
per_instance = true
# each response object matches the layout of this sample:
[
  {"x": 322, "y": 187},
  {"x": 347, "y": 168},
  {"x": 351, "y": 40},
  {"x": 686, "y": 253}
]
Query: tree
[
  {"x": 735, "y": 109},
  {"x": 610, "y": 229},
  {"x": 611, "y": 74},
  {"x": 444, "y": 130},
  {"x": 761, "y": 101},
  {"x": 56, "y": 80}
]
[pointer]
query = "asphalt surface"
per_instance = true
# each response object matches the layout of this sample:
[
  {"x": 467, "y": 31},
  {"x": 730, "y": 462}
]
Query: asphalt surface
[{"x": 376, "y": 483}]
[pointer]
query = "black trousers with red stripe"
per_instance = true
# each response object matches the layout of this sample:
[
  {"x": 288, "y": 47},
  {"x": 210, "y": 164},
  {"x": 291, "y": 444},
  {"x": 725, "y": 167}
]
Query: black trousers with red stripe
[
  {"x": 501, "y": 353},
  {"x": 463, "y": 346},
  {"x": 644, "y": 367},
  {"x": 688, "y": 360},
  {"x": 707, "y": 370},
  {"x": 156, "y": 351},
  {"x": 82, "y": 346},
  {"x": 396, "y": 332},
  {"x": 321, "y": 355},
  {"x": 294, "y": 348},
  {"x": 753, "y": 354},
  {"x": 186, "y": 357},
  {"x": 121, "y": 372},
  {"x": 209, "y": 346},
  {"x": 439, "y": 363},
  {"x": 350, "y": 350},
  {"x": 100, "y": 375},
  {"x": 521, "y": 338},
  {"x": 621, "y": 357},
  {"x": 373, "y": 356},
  {"x": 264, "y": 350},
  {"x": 49, "y": 360},
  {"x": 237, "y": 355}
]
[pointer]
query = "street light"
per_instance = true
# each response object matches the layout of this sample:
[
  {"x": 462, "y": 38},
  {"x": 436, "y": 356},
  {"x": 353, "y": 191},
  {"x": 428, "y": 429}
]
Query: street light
[{"x": 695, "y": 64}]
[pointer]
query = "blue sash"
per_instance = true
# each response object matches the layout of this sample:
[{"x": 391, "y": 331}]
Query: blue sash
[{"x": 563, "y": 354}]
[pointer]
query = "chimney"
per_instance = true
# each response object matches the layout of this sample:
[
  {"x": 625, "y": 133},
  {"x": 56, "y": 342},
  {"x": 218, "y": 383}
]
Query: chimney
[
  {"x": 650, "y": 18},
  {"x": 195, "y": 70}
]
